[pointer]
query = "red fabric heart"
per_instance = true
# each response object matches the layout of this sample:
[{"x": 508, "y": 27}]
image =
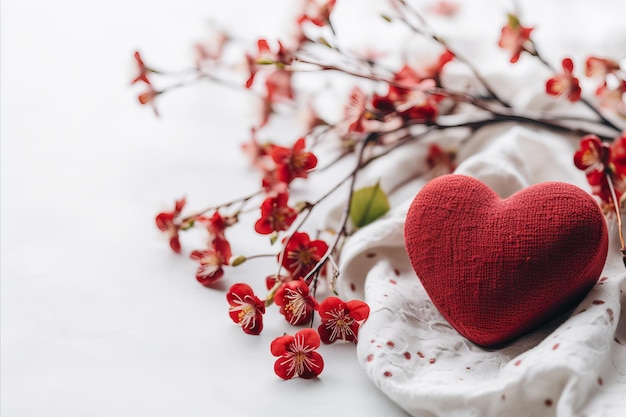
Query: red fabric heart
[{"x": 499, "y": 268}]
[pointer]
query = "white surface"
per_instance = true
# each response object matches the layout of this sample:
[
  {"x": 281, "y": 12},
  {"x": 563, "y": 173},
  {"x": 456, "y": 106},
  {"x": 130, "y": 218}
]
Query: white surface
[
  {"x": 575, "y": 365},
  {"x": 98, "y": 317}
]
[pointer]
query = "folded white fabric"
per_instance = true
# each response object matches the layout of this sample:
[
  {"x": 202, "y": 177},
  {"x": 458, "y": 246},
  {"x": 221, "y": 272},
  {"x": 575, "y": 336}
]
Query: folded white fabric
[{"x": 574, "y": 366}]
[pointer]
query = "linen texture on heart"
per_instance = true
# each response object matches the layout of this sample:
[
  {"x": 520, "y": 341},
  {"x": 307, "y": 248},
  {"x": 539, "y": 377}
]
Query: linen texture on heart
[{"x": 496, "y": 268}]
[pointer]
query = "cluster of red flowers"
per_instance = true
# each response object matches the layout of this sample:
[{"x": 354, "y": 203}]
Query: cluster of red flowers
[
  {"x": 383, "y": 119},
  {"x": 605, "y": 167}
]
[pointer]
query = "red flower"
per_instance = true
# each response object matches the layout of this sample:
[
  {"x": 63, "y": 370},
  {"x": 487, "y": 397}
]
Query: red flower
[
  {"x": 297, "y": 356},
  {"x": 276, "y": 215},
  {"x": 565, "y": 83},
  {"x": 596, "y": 67},
  {"x": 613, "y": 98},
  {"x": 148, "y": 97},
  {"x": 246, "y": 309},
  {"x": 515, "y": 38},
  {"x": 603, "y": 163},
  {"x": 355, "y": 110},
  {"x": 418, "y": 104},
  {"x": 295, "y": 302},
  {"x": 278, "y": 86},
  {"x": 434, "y": 70},
  {"x": 217, "y": 224},
  {"x": 211, "y": 261},
  {"x": 444, "y": 8},
  {"x": 618, "y": 155},
  {"x": 280, "y": 57},
  {"x": 142, "y": 70},
  {"x": 271, "y": 280},
  {"x": 167, "y": 222},
  {"x": 292, "y": 163},
  {"x": 593, "y": 154},
  {"x": 212, "y": 49},
  {"x": 317, "y": 12},
  {"x": 341, "y": 320},
  {"x": 301, "y": 254},
  {"x": 440, "y": 159}
]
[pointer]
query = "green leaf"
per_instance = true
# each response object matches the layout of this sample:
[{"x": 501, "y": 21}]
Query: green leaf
[
  {"x": 368, "y": 204},
  {"x": 514, "y": 22}
]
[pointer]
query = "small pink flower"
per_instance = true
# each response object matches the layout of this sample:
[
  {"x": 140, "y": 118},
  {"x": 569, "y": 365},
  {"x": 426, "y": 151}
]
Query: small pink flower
[
  {"x": 317, "y": 12},
  {"x": 167, "y": 222},
  {"x": 246, "y": 309},
  {"x": 444, "y": 8},
  {"x": 297, "y": 356},
  {"x": 565, "y": 83},
  {"x": 148, "y": 97},
  {"x": 355, "y": 111},
  {"x": 515, "y": 38}
]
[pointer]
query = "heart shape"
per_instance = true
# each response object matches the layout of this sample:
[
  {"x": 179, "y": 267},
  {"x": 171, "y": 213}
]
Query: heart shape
[{"x": 499, "y": 268}]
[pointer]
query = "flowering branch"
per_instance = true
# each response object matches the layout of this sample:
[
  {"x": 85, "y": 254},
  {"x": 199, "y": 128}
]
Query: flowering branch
[{"x": 386, "y": 109}]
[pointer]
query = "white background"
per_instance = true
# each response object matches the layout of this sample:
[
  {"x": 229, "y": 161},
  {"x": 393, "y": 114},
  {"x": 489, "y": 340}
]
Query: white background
[{"x": 98, "y": 316}]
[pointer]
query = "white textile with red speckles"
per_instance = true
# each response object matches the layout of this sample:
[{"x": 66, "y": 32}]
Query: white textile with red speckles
[{"x": 573, "y": 366}]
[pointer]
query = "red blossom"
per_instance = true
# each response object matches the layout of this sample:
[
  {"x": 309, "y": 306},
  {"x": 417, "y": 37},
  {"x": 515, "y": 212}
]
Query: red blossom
[
  {"x": 565, "y": 83},
  {"x": 142, "y": 70},
  {"x": 593, "y": 154},
  {"x": 278, "y": 86},
  {"x": 355, "y": 111},
  {"x": 434, "y": 70},
  {"x": 404, "y": 80},
  {"x": 408, "y": 96},
  {"x": 440, "y": 159},
  {"x": 295, "y": 302},
  {"x": 246, "y": 309},
  {"x": 272, "y": 280},
  {"x": 317, "y": 12},
  {"x": 419, "y": 104},
  {"x": 148, "y": 97},
  {"x": 301, "y": 254},
  {"x": 211, "y": 261},
  {"x": 293, "y": 162},
  {"x": 341, "y": 320},
  {"x": 603, "y": 163},
  {"x": 217, "y": 224},
  {"x": 597, "y": 67},
  {"x": 618, "y": 155},
  {"x": 167, "y": 222},
  {"x": 257, "y": 152},
  {"x": 515, "y": 38},
  {"x": 444, "y": 8},
  {"x": 280, "y": 57},
  {"x": 297, "y": 356},
  {"x": 212, "y": 49},
  {"x": 276, "y": 215}
]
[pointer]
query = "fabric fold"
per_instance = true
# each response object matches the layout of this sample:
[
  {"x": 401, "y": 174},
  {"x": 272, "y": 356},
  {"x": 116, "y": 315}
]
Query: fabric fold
[{"x": 572, "y": 366}]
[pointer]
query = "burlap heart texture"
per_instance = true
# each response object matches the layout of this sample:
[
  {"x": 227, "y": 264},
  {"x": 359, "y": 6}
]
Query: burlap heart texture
[{"x": 498, "y": 268}]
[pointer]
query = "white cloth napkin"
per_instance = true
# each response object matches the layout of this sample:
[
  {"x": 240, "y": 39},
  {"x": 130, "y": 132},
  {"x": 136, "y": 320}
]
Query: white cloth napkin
[{"x": 575, "y": 366}]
